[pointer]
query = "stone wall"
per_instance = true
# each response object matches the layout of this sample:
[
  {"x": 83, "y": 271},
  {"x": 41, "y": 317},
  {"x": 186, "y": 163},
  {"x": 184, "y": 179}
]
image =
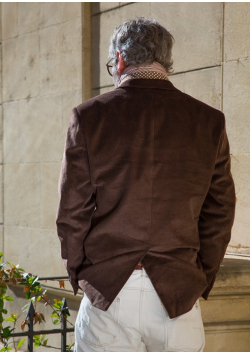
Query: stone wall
[
  {"x": 211, "y": 63},
  {"x": 49, "y": 64},
  {"x": 41, "y": 82}
]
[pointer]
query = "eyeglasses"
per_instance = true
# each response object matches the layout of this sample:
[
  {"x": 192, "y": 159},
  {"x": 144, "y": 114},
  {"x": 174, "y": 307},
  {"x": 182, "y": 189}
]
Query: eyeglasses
[{"x": 109, "y": 67}]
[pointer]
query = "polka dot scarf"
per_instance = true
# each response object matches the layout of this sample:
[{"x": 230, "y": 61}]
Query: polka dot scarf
[{"x": 144, "y": 71}]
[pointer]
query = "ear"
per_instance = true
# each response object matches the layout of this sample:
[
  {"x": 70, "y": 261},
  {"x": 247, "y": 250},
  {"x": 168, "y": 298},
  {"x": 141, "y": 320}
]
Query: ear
[{"x": 121, "y": 63}]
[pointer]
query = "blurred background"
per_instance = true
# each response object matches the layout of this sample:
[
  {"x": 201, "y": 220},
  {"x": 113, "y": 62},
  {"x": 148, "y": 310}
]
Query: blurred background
[{"x": 53, "y": 58}]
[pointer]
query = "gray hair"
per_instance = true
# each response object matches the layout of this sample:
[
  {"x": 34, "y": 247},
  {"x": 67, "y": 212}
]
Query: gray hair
[{"x": 142, "y": 40}]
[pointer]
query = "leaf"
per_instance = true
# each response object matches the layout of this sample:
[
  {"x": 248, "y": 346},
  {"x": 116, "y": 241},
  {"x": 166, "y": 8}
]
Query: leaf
[
  {"x": 4, "y": 311},
  {"x": 35, "y": 280},
  {"x": 61, "y": 283},
  {"x": 9, "y": 298},
  {"x": 25, "y": 306},
  {"x": 55, "y": 321},
  {"x": 1, "y": 304},
  {"x": 39, "y": 298},
  {"x": 34, "y": 285},
  {"x": 54, "y": 315},
  {"x": 6, "y": 332},
  {"x": 36, "y": 336},
  {"x": 14, "y": 316},
  {"x": 23, "y": 324},
  {"x": 45, "y": 342},
  {"x": 26, "y": 289},
  {"x": 9, "y": 319},
  {"x": 6, "y": 349},
  {"x": 20, "y": 343},
  {"x": 27, "y": 295},
  {"x": 42, "y": 316}
]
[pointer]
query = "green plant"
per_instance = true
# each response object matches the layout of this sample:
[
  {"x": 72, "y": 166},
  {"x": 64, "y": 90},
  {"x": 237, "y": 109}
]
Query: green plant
[{"x": 13, "y": 274}]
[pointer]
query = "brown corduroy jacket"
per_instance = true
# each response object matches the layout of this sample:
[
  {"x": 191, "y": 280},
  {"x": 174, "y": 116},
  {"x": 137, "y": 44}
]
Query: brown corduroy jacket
[{"x": 145, "y": 176}]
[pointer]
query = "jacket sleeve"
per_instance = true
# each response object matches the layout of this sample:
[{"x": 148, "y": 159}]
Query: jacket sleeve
[
  {"x": 217, "y": 214},
  {"x": 76, "y": 199}
]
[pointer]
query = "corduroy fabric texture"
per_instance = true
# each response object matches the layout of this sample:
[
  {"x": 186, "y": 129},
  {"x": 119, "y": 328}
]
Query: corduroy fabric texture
[{"x": 145, "y": 176}]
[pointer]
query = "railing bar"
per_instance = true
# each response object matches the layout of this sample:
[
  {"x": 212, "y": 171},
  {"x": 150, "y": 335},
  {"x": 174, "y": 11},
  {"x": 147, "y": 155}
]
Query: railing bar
[
  {"x": 64, "y": 312},
  {"x": 51, "y": 331},
  {"x": 30, "y": 316},
  {"x": 53, "y": 278}
]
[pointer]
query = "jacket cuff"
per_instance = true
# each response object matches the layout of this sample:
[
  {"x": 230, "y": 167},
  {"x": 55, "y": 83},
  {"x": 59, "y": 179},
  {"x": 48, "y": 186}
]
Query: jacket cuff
[
  {"x": 74, "y": 284},
  {"x": 208, "y": 289}
]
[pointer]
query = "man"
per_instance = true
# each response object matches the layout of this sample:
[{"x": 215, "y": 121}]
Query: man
[{"x": 147, "y": 202}]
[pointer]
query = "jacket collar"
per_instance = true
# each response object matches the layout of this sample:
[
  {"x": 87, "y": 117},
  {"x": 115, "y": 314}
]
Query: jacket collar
[{"x": 148, "y": 83}]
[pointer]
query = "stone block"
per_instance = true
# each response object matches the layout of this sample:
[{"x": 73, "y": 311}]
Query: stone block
[
  {"x": 240, "y": 241},
  {"x": 1, "y": 135},
  {"x": 50, "y": 14},
  {"x": 236, "y": 31},
  {"x": 1, "y": 240},
  {"x": 98, "y": 7},
  {"x": 22, "y": 195},
  {"x": 226, "y": 313},
  {"x": 28, "y": 16},
  {"x": 40, "y": 129},
  {"x": 1, "y": 24},
  {"x": 11, "y": 141},
  {"x": 9, "y": 19},
  {"x": 221, "y": 310},
  {"x": 11, "y": 194},
  {"x": 1, "y": 197},
  {"x": 35, "y": 250},
  {"x": 204, "y": 85},
  {"x": 20, "y": 67},
  {"x": 197, "y": 30},
  {"x": 135, "y": 9},
  {"x": 1, "y": 61},
  {"x": 236, "y": 104},
  {"x": 49, "y": 194},
  {"x": 102, "y": 29},
  {"x": 61, "y": 58},
  {"x": 227, "y": 338},
  {"x": 70, "y": 10}
]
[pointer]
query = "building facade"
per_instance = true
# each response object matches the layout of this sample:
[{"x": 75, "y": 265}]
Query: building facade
[{"x": 53, "y": 57}]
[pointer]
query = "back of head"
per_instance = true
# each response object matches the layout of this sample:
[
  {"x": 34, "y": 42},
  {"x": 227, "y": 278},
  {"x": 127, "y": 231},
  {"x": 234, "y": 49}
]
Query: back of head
[{"x": 142, "y": 41}]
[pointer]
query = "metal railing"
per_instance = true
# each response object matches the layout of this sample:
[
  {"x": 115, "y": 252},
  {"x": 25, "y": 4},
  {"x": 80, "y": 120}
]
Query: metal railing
[{"x": 64, "y": 312}]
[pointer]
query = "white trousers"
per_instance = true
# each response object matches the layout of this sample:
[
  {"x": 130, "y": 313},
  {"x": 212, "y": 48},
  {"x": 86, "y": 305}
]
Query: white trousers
[{"x": 136, "y": 318}]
